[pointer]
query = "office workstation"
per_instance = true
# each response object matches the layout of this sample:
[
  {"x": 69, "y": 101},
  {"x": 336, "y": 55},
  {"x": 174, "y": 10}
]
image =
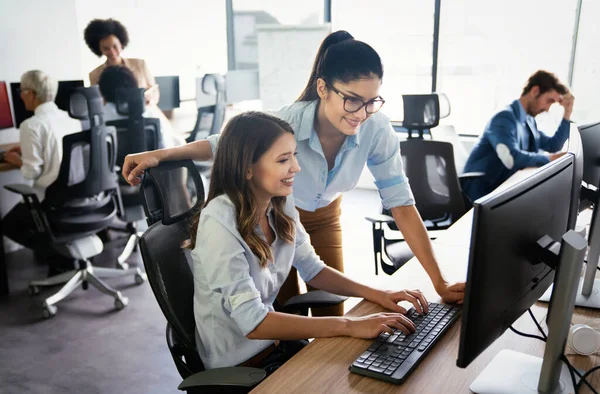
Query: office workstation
[{"x": 393, "y": 137}]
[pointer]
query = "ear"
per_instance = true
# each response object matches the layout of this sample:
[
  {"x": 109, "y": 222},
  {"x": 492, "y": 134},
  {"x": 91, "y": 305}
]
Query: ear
[
  {"x": 249, "y": 174},
  {"x": 535, "y": 91},
  {"x": 322, "y": 88}
]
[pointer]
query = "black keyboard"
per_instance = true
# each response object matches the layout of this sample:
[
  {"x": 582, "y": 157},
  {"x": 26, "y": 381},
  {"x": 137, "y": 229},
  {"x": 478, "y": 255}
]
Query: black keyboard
[{"x": 391, "y": 357}]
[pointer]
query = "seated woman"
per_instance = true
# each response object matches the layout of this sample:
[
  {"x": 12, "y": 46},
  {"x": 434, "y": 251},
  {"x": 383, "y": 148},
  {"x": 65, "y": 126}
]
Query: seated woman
[
  {"x": 115, "y": 77},
  {"x": 244, "y": 243}
]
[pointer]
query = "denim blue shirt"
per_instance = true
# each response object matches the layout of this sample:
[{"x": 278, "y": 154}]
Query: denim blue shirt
[
  {"x": 232, "y": 292},
  {"x": 376, "y": 145},
  {"x": 511, "y": 141}
]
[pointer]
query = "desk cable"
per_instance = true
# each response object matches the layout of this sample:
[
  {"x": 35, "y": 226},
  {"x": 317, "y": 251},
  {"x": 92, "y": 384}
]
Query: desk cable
[{"x": 572, "y": 370}]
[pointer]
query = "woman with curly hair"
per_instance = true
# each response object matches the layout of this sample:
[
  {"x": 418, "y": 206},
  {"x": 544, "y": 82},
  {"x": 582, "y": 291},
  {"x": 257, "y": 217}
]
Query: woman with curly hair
[{"x": 109, "y": 37}]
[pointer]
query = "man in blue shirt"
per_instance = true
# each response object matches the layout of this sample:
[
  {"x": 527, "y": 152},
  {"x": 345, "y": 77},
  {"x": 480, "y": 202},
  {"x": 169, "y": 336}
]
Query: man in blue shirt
[{"x": 511, "y": 140}]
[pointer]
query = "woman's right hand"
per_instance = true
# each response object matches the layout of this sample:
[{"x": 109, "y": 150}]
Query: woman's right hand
[
  {"x": 371, "y": 326},
  {"x": 135, "y": 165}
]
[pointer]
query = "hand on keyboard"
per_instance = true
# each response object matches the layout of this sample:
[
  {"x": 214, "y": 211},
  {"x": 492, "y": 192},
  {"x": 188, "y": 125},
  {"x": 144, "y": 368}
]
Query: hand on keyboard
[
  {"x": 390, "y": 299},
  {"x": 371, "y": 326}
]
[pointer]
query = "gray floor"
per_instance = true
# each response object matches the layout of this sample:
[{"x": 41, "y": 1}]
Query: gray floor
[{"x": 88, "y": 347}]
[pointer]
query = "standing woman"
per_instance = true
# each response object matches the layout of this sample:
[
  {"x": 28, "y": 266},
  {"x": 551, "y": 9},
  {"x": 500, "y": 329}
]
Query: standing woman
[
  {"x": 338, "y": 130},
  {"x": 109, "y": 37}
]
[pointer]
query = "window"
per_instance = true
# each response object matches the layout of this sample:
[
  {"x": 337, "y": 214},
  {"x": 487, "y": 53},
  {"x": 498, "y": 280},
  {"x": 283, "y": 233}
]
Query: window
[
  {"x": 249, "y": 13},
  {"x": 402, "y": 33},
  {"x": 586, "y": 75},
  {"x": 488, "y": 50}
]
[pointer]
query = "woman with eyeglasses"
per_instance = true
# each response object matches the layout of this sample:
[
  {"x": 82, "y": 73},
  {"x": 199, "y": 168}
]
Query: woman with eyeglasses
[{"x": 338, "y": 130}]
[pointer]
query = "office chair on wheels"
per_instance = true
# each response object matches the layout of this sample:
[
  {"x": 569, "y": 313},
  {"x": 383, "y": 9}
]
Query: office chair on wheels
[
  {"x": 173, "y": 193},
  {"x": 81, "y": 202},
  {"x": 429, "y": 165}
]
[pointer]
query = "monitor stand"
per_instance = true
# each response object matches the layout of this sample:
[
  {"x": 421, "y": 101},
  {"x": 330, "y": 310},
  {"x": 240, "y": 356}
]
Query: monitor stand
[
  {"x": 515, "y": 373},
  {"x": 512, "y": 372},
  {"x": 591, "y": 301}
]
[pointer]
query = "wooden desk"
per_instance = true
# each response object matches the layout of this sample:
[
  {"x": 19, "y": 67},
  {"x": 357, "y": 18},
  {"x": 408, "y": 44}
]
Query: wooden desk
[{"x": 322, "y": 367}]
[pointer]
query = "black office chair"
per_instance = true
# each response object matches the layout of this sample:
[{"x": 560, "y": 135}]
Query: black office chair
[
  {"x": 81, "y": 202},
  {"x": 134, "y": 134},
  {"x": 173, "y": 193},
  {"x": 209, "y": 119},
  {"x": 423, "y": 112}
]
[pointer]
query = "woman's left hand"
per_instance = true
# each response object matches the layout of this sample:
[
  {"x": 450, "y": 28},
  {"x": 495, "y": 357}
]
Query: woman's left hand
[
  {"x": 389, "y": 300},
  {"x": 451, "y": 293}
]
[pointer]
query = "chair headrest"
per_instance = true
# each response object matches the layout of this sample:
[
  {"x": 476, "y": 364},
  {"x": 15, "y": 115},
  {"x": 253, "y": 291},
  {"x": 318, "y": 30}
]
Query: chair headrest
[
  {"x": 424, "y": 111},
  {"x": 130, "y": 101},
  {"x": 87, "y": 103},
  {"x": 213, "y": 84},
  {"x": 173, "y": 191}
]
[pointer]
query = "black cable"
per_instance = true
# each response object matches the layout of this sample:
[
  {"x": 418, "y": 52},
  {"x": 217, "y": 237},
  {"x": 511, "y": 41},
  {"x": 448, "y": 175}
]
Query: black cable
[
  {"x": 585, "y": 375},
  {"x": 537, "y": 324},
  {"x": 571, "y": 368},
  {"x": 526, "y": 335}
]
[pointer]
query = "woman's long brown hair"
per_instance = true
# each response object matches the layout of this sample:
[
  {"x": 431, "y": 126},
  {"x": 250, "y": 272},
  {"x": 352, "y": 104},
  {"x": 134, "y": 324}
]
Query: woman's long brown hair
[{"x": 243, "y": 142}]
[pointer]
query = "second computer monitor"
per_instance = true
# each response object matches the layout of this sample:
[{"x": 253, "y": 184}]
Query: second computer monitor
[{"x": 503, "y": 279}]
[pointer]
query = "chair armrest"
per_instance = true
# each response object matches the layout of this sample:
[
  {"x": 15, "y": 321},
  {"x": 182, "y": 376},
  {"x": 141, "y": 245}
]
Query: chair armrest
[
  {"x": 468, "y": 175},
  {"x": 314, "y": 299},
  {"x": 224, "y": 377},
  {"x": 380, "y": 219},
  {"x": 24, "y": 190}
]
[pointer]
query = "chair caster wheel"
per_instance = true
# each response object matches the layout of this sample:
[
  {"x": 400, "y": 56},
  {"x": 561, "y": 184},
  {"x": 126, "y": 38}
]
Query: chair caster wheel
[
  {"x": 48, "y": 311},
  {"x": 140, "y": 278},
  {"x": 33, "y": 290},
  {"x": 121, "y": 302}
]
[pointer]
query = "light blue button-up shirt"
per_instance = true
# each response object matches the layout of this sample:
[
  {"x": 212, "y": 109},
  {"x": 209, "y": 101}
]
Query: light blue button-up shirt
[
  {"x": 375, "y": 145},
  {"x": 232, "y": 292}
]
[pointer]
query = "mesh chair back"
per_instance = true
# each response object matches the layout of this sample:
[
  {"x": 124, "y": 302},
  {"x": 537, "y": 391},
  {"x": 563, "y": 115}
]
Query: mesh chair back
[
  {"x": 429, "y": 166},
  {"x": 173, "y": 192}
]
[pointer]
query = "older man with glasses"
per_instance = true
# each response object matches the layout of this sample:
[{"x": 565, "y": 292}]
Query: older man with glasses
[{"x": 40, "y": 151}]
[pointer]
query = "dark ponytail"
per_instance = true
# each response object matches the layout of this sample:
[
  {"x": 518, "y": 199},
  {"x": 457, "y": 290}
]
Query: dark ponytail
[{"x": 341, "y": 57}]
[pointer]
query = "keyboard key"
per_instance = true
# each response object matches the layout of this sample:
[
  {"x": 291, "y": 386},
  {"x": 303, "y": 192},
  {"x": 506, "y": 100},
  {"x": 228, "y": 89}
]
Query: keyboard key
[{"x": 392, "y": 357}]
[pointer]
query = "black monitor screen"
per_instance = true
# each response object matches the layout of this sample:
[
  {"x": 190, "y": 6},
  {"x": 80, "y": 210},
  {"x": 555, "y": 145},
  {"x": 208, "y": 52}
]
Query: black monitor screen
[
  {"x": 590, "y": 139},
  {"x": 62, "y": 99},
  {"x": 502, "y": 280},
  {"x": 169, "y": 92}
]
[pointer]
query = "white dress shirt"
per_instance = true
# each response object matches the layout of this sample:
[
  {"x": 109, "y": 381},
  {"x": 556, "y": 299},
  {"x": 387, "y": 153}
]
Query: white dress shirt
[
  {"x": 232, "y": 292},
  {"x": 41, "y": 144}
]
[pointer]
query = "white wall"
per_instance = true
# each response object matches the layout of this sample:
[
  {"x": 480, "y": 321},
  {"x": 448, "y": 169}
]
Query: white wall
[
  {"x": 37, "y": 34},
  {"x": 174, "y": 37}
]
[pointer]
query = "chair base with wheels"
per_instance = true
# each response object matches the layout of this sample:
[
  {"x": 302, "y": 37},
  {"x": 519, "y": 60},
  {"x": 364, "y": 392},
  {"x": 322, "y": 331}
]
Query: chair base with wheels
[{"x": 82, "y": 250}]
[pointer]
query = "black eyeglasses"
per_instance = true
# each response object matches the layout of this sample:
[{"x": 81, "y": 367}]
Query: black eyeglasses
[{"x": 354, "y": 104}]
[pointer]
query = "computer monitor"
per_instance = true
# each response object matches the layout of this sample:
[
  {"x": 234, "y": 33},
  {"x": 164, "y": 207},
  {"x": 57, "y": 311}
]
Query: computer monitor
[
  {"x": 62, "y": 99},
  {"x": 6, "y": 120},
  {"x": 509, "y": 270},
  {"x": 63, "y": 96},
  {"x": 588, "y": 293},
  {"x": 169, "y": 92}
]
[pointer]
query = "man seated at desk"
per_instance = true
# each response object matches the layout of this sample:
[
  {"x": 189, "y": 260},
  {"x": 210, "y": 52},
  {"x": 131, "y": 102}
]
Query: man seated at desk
[
  {"x": 38, "y": 156},
  {"x": 511, "y": 139}
]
